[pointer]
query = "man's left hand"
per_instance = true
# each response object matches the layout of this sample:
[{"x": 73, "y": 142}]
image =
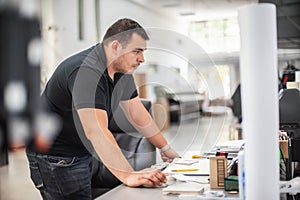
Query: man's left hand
[{"x": 169, "y": 155}]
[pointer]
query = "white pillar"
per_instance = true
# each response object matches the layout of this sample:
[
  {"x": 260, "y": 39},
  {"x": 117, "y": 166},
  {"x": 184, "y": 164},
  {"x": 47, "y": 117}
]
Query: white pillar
[{"x": 258, "y": 59}]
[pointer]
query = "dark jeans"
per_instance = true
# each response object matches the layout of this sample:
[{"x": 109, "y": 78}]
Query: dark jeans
[{"x": 59, "y": 178}]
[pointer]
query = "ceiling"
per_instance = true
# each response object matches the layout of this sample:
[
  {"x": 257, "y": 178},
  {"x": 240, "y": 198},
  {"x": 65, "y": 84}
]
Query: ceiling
[
  {"x": 194, "y": 10},
  {"x": 288, "y": 15},
  {"x": 288, "y": 23}
]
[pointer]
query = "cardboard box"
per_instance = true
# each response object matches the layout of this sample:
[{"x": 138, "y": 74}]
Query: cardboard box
[
  {"x": 284, "y": 147},
  {"x": 140, "y": 81},
  {"x": 161, "y": 111}
]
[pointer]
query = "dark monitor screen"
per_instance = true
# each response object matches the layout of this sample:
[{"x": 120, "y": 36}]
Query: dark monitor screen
[
  {"x": 289, "y": 109},
  {"x": 289, "y": 118},
  {"x": 237, "y": 103}
]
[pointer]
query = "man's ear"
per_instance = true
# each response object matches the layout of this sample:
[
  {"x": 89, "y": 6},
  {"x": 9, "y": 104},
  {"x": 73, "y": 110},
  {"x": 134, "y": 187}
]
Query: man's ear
[{"x": 116, "y": 46}]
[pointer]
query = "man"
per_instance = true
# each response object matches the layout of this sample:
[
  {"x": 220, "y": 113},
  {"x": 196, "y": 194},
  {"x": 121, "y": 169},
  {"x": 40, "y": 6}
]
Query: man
[{"x": 84, "y": 91}]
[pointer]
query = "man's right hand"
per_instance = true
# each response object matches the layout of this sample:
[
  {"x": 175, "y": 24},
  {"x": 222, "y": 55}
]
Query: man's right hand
[{"x": 149, "y": 177}]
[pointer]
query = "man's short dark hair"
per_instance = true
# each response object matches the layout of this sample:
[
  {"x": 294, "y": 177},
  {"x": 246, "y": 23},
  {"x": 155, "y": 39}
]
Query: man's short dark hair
[{"x": 122, "y": 31}]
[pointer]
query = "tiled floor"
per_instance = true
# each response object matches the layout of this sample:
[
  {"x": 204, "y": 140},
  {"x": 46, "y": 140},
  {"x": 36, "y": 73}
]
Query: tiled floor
[{"x": 197, "y": 135}]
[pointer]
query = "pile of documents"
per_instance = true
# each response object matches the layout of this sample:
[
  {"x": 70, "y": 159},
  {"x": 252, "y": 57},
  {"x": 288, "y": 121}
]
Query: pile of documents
[
  {"x": 186, "y": 173},
  {"x": 184, "y": 188},
  {"x": 231, "y": 147}
]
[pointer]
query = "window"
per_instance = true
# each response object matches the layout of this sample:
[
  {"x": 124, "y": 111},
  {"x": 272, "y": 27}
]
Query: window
[{"x": 216, "y": 35}]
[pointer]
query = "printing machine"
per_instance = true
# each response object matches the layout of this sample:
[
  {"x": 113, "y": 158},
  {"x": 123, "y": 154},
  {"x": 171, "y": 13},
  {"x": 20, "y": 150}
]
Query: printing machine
[{"x": 184, "y": 105}]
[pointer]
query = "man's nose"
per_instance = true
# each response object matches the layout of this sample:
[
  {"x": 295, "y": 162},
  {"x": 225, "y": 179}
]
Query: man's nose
[{"x": 141, "y": 58}]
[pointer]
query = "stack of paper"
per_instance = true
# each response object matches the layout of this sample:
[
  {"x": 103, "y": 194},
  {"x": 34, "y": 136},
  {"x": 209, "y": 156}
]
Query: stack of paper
[
  {"x": 231, "y": 147},
  {"x": 184, "y": 188}
]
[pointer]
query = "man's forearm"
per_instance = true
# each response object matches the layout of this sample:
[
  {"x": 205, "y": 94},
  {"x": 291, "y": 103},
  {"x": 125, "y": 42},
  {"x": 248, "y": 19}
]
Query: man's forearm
[
  {"x": 108, "y": 150},
  {"x": 158, "y": 140},
  {"x": 148, "y": 128},
  {"x": 141, "y": 119}
]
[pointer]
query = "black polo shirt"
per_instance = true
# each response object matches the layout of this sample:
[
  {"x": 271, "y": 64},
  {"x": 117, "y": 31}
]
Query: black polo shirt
[{"x": 82, "y": 81}]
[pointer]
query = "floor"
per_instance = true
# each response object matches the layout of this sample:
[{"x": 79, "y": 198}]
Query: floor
[
  {"x": 15, "y": 183},
  {"x": 197, "y": 135}
]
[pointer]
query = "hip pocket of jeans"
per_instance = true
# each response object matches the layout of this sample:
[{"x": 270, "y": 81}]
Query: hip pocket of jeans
[
  {"x": 57, "y": 161},
  {"x": 35, "y": 174},
  {"x": 73, "y": 177}
]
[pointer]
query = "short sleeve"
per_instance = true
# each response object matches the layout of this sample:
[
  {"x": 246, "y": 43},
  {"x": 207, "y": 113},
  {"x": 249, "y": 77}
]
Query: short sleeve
[
  {"x": 88, "y": 89},
  {"x": 125, "y": 86}
]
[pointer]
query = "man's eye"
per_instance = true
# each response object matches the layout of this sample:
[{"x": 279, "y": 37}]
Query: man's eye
[{"x": 137, "y": 51}]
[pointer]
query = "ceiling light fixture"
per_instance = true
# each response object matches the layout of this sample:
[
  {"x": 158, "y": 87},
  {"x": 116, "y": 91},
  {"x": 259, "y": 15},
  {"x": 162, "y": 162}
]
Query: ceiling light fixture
[{"x": 187, "y": 13}]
